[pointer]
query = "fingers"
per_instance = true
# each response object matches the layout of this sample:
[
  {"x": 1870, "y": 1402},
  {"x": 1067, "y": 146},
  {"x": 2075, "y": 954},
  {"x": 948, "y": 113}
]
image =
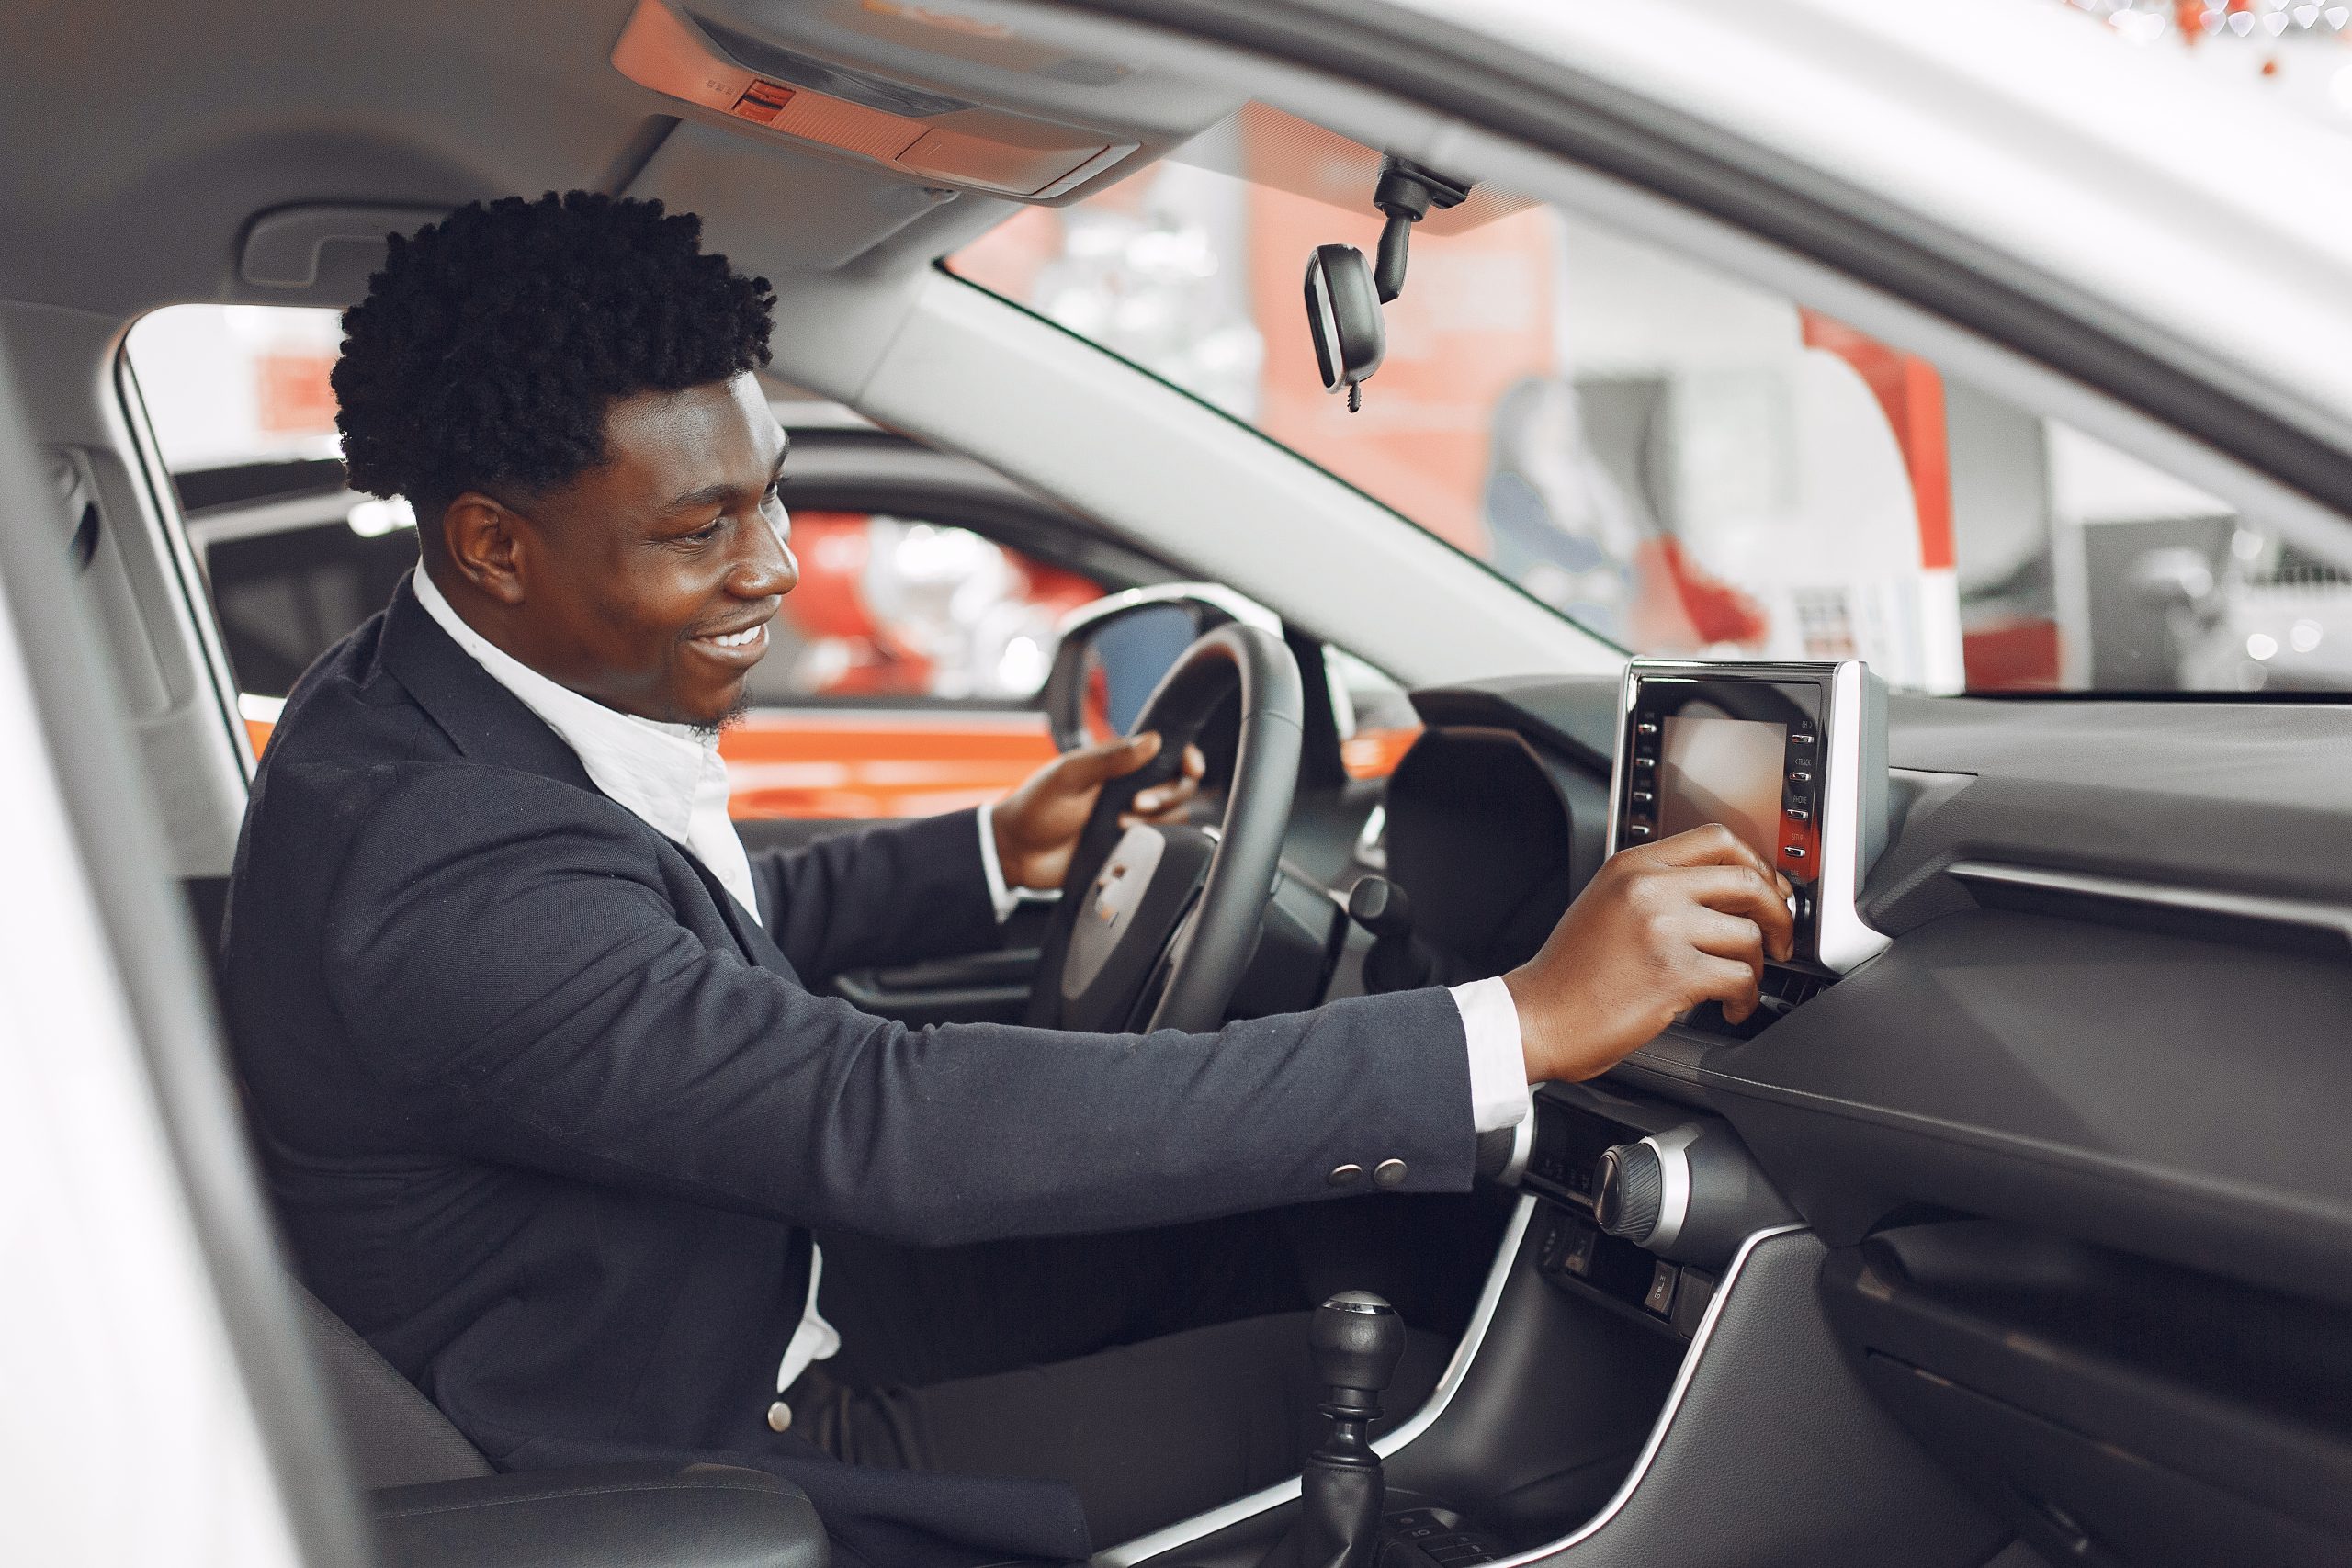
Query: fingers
[
  {"x": 1730, "y": 983},
  {"x": 1738, "y": 940},
  {"x": 1105, "y": 760},
  {"x": 1742, "y": 891},
  {"x": 1714, "y": 844},
  {"x": 1161, "y": 801}
]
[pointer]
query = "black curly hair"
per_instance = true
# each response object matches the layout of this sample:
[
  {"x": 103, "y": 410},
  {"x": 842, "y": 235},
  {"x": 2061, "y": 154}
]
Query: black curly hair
[{"x": 492, "y": 342}]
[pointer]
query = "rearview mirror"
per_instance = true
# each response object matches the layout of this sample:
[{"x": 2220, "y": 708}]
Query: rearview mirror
[{"x": 1343, "y": 314}]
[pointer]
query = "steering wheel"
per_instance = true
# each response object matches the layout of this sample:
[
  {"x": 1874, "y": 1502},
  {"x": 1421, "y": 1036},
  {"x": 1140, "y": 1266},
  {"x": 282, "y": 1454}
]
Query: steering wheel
[{"x": 1157, "y": 924}]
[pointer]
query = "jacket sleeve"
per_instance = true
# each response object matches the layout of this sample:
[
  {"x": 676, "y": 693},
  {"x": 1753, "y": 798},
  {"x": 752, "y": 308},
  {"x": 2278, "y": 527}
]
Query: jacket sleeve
[
  {"x": 524, "y": 979},
  {"x": 896, "y": 893}
]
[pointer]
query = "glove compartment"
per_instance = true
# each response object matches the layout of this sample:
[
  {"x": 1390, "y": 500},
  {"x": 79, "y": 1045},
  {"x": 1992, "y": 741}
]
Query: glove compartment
[{"x": 2115, "y": 1410}]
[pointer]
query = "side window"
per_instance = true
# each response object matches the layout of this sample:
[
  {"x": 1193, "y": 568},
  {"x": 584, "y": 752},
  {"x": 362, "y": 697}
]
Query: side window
[
  {"x": 901, "y": 675},
  {"x": 907, "y": 612},
  {"x": 900, "y": 679},
  {"x": 1375, "y": 718}
]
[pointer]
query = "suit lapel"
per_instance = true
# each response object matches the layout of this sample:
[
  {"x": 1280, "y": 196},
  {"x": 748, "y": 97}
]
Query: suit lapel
[
  {"x": 750, "y": 935},
  {"x": 488, "y": 723}
]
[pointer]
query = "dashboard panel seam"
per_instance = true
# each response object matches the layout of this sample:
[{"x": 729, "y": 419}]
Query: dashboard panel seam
[{"x": 2038, "y": 1151}]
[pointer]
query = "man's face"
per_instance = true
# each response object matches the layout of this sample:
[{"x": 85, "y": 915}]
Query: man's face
[{"x": 648, "y": 581}]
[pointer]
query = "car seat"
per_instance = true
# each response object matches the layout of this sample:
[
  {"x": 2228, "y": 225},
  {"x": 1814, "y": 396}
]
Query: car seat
[{"x": 437, "y": 1502}]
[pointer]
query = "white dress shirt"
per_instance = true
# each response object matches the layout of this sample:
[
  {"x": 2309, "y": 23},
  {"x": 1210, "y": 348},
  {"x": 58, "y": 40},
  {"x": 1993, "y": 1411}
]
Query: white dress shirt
[{"x": 670, "y": 775}]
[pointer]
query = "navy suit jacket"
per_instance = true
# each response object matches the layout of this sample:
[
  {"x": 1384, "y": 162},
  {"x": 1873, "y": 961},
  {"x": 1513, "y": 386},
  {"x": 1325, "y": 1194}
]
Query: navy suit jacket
[{"x": 548, "y": 1116}]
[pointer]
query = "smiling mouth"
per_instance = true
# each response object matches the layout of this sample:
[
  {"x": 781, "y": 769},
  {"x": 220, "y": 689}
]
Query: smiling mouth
[{"x": 749, "y": 636}]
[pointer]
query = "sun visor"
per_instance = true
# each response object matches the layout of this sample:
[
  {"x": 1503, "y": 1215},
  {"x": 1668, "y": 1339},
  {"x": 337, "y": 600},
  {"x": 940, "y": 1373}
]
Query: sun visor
[
  {"x": 796, "y": 212},
  {"x": 765, "y": 91}
]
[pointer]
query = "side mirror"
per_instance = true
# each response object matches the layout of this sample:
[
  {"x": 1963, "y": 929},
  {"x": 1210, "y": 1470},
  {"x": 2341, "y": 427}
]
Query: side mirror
[
  {"x": 1343, "y": 314},
  {"x": 1112, "y": 653}
]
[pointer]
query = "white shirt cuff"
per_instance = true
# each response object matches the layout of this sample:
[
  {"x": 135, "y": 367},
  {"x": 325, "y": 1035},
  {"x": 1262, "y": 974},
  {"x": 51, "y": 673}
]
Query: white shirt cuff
[
  {"x": 1006, "y": 899},
  {"x": 1499, "y": 1095}
]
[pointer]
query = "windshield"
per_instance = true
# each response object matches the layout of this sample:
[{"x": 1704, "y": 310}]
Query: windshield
[{"x": 1680, "y": 461}]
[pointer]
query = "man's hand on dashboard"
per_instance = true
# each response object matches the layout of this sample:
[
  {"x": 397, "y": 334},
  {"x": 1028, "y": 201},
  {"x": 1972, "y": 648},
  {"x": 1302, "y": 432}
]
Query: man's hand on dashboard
[
  {"x": 1038, "y": 824},
  {"x": 1662, "y": 928}
]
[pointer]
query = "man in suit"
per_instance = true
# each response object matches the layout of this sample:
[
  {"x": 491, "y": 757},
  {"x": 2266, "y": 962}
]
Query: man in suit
[{"x": 547, "y": 1109}]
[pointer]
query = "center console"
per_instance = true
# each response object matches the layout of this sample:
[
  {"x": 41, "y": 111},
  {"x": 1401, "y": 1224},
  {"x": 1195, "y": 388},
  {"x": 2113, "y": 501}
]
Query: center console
[{"x": 1646, "y": 1202}]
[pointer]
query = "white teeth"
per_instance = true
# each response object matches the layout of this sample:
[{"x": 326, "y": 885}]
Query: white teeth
[{"x": 738, "y": 639}]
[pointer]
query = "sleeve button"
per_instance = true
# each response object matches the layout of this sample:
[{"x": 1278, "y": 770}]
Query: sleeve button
[
  {"x": 1345, "y": 1175},
  {"x": 1388, "y": 1173}
]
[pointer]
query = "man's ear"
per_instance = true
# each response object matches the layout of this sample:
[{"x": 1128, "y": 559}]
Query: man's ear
[{"x": 484, "y": 541}]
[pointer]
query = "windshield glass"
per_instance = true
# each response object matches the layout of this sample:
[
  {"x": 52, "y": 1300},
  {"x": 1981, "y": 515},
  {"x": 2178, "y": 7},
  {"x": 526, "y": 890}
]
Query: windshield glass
[{"x": 1677, "y": 459}]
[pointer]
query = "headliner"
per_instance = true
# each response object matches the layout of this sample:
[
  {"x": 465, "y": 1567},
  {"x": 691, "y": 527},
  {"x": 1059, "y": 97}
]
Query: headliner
[{"x": 143, "y": 139}]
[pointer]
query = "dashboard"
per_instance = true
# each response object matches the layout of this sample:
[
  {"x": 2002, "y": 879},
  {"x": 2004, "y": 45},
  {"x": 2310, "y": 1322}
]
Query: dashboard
[{"x": 2071, "y": 1128}]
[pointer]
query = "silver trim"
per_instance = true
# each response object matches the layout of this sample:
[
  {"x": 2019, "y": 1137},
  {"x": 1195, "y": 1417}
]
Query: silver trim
[
  {"x": 1617, "y": 755},
  {"x": 1372, "y": 848},
  {"x": 1186, "y": 1531},
  {"x": 1674, "y": 1185},
  {"x": 1842, "y": 941},
  {"x": 1664, "y": 1423},
  {"x": 2334, "y": 919}
]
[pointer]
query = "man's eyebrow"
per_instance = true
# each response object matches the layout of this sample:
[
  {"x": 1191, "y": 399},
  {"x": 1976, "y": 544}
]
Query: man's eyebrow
[{"x": 712, "y": 494}]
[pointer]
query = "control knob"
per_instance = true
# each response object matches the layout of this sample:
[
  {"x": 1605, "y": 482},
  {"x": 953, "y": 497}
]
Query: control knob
[
  {"x": 1629, "y": 1191},
  {"x": 1690, "y": 1192}
]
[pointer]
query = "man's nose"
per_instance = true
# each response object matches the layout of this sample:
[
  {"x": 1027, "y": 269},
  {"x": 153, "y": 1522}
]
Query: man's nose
[{"x": 768, "y": 567}]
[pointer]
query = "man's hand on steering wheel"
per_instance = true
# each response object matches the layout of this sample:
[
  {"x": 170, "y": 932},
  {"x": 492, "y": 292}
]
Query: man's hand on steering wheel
[
  {"x": 1037, "y": 826},
  {"x": 1661, "y": 928}
]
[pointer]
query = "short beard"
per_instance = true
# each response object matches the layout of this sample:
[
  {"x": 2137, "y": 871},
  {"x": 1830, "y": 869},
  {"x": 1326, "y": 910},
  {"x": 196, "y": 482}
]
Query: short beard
[{"x": 710, "y": 729}]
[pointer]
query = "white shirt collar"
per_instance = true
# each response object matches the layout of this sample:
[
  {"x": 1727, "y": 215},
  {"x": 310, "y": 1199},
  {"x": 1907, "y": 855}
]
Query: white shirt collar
[{"x": 670, "y": 775}]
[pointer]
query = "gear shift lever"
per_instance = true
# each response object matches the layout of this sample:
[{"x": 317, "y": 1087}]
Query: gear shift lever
[{"x": 1356, "y": 1339}]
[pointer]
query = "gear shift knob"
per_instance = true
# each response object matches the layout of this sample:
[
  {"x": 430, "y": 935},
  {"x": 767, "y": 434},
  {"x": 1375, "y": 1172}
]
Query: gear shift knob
[{"x": 1356, "y": 1339}]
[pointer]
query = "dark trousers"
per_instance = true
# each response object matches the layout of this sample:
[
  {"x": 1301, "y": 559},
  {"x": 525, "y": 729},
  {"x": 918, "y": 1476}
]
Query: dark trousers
[{"x": 1158, "y": 1374}]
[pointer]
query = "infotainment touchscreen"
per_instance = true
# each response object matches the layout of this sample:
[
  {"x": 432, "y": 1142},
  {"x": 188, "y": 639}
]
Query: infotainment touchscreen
[
  {"x": 1790, "y": 757},
  {"x": 1715, "y": 768}
]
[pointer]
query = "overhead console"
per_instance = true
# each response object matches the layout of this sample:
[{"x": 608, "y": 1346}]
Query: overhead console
[
  {"x": 848, "y": 86},
  {"x": 1790, "y": 757}
]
